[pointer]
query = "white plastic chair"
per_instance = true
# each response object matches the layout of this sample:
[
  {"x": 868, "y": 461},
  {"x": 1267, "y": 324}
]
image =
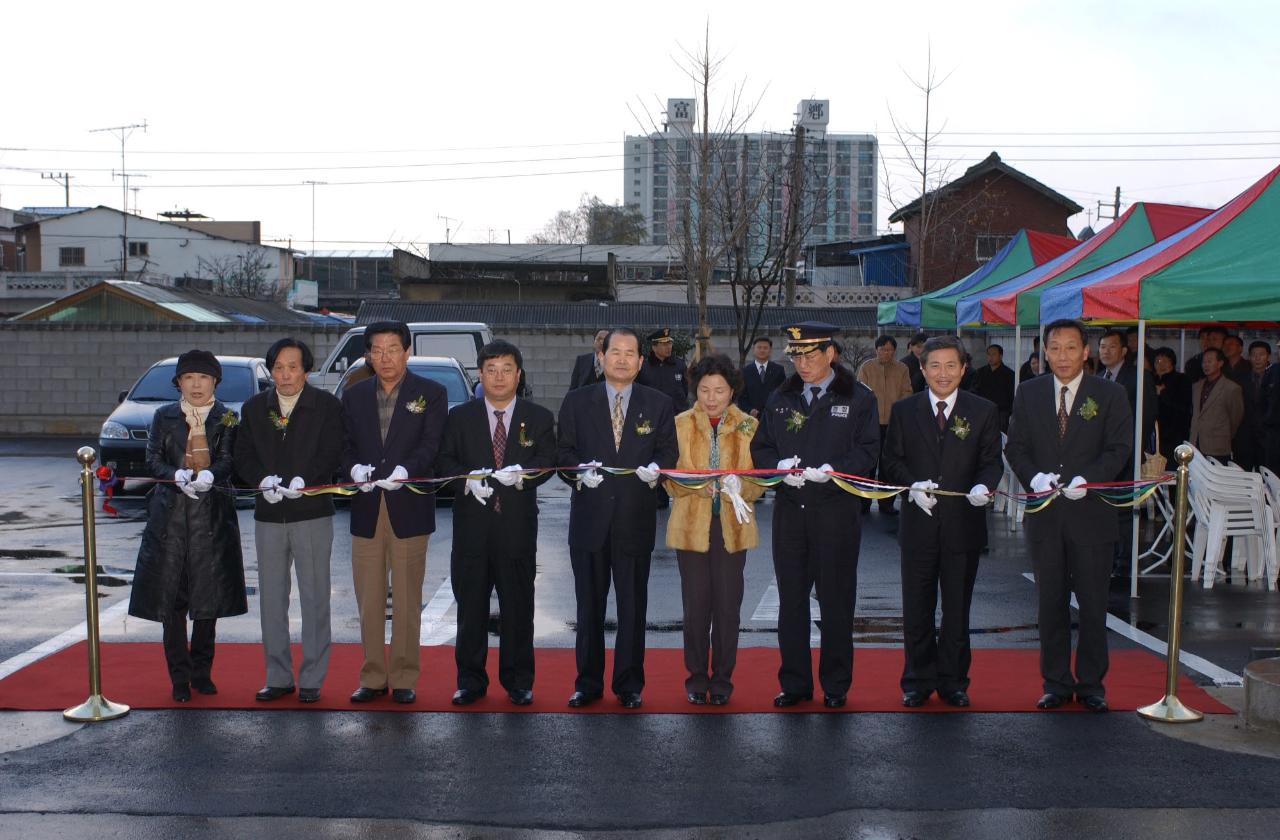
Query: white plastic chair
[{"x": 1229, "y": 504}]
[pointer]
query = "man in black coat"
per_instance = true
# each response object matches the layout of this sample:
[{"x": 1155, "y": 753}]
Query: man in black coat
[
  {"x": 1116, "y": 365},
  {"x": 1269, "y": 407},
  {"x": 613, "y": 518},
  {"x": 664, "y": 371},
  {"x": 948, "y": 439},
  {"x": 393, "y": 422},
  {"x": 760, "y": 377},
  {"x": 1070, "y": 424},
  {"x": 915, "y": 348},
  {"x": 994, "y": 382},
  {"x": 824, "y": 421},
  {"x": 586, "y": 368},
  {"x": 495, "y": 527},
  {"x": 291, "y": 437}
]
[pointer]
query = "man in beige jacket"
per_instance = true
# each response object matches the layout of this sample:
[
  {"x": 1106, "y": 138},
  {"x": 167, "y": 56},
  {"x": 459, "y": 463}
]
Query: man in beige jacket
[
  {"x": 1217, "y": 407},
  {"x": 890, "y": 380}
]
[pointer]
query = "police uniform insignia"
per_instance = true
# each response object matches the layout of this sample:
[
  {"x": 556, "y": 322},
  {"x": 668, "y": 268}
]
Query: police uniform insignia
[
  {"x": 839, "y": 411},
  {"x": 679, "y": 377},
  {"x": 795, "y": 332}
]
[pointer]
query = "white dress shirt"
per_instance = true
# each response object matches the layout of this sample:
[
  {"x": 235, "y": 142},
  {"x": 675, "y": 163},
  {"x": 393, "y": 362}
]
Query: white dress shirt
[
  {"x": 950, "y": 401},
  {"x": 1073, "y": 387}
]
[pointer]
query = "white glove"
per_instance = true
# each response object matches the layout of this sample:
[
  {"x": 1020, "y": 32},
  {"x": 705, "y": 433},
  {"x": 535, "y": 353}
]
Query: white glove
[
  {"x": 392, "y": 482},
  {"x": 183, "y": 479},
  {"x": 791, "y": 479},
  {"x": 741, "y": 510},
  {"x": 270, "y": 487},
  {"x": 294, "y": 490},
  {"x": 979, "y": 495},
  {"x": 820, "y": 475},
  {"x": 510, "y": 476},
  {"x": 479, "y": 488},
  {"x": 1044, "y": 482},
  {"x": 921, "y": 498},
  {"x": 1074, "y": 491},
  {"x": 203, "y": 482},
  {"x": 590, "y": 477},
  {"x": 360, "y": 474},
  {"x": 731, "y": 485},
  {"x": 649, "y": 474}
]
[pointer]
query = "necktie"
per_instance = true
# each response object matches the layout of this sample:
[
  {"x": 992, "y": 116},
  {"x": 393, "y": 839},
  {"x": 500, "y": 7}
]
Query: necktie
[
  {"x": 942, "y": 416},
  {"x": 617, "y": 422},
  {"x": 814, "y": 392},
  {"x": 499, "y": 449},
  {"x": 761, "y": 371},
  {"x": 1062, "y": 412},
  {"x": 1107, "y": 375}
]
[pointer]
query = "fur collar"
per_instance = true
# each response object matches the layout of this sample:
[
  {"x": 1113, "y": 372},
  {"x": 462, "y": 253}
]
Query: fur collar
[{"x": 841, "y": 386}]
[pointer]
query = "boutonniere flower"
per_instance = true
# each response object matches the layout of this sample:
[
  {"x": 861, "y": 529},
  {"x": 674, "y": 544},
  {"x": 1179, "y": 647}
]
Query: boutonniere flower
[
  {"x": 960, "y": 427},
  {"x": 229, "y": 419},
  {"x": 644, "y": 427},
  {"x": 522, "y": 438},
  {"x": 416, "y": 406},
  {"x": 1089, "y": 410},
  {"x": 795, "y": 422},
  {"x": 747, "y": 427},
  {"x": 279, "y": 421}
]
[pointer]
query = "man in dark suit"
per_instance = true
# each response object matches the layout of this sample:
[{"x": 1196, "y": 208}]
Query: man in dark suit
[
  {"x": 613, "y": 518},
  {"x": 994, "y": 381},
  {"x": 915, "y": 348},
  {"x": 1116, "y": 365},
  {"x": 586, "y": 368},
  {"x": 824, "y": 420},
  {"x": 1026, "y": 372},
  {"x": 760, "y": 377},
  {"x": 1249, "y": 447},
  {"x": 1070, "y": 424},
  {"x": 392, "y": 422},
  {"x": 495, "y": 528},
  {"x": 948, "y": 439},
  {"x": 664, "y": 371}
]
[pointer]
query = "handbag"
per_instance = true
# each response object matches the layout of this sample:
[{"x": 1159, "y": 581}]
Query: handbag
[{"x": 1153, "y": 463}]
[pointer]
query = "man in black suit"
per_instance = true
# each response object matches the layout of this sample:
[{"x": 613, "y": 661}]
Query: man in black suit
[
  {"x": 760, "y": 377},
  {"x": 994, "y": 381},
  {"x": 613, "y": 518},
  {"x": 664, "y": 371},
  {"x": 392, "y": 422},
  {"x": 1026, "y": 372},
  {"x": 495, "y": 529},
  {"x": 586, "y": 368},
  {"x": 1116, "y": 365},
  {"x": 915, "y": 348},
  {"x": 948, "y": 439},
  {"x": 1070, "y": 424}
]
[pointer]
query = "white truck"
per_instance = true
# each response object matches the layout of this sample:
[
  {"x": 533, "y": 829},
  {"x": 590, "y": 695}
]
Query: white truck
[{"x": 462, "y": 340}]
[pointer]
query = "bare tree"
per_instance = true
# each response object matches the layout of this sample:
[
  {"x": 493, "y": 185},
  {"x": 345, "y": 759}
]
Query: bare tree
[
  {"x": 594, "y": 222},
  {"x": 241, "y": 275}
]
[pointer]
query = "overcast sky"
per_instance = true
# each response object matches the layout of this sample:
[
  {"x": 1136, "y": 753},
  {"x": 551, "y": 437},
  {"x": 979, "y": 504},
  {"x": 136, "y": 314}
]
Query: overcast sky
[{"x": 470, "y": 106}]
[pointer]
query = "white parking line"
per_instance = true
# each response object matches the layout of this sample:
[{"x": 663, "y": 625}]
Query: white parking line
[
  {"x": 1219, "y": 675},
  {"x": 767, "y": 610},
  {"x": 435, "y": 629},
  {"x": 60, "y": 641}
]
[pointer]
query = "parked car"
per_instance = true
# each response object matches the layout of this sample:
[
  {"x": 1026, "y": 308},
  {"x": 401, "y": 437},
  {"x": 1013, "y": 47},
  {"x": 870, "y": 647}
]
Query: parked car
[
  {"x": 447, "y": 371},
  {"x": 461, "y": 340},
  {"x": 122, "y": 443}
]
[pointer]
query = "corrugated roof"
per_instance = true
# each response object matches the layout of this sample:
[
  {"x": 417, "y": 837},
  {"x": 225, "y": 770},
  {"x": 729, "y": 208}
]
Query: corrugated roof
[
  {"x": 556, "y": 254},
  {"x": 347, "y": 255},
  {"x": 190, "y": 305},
  {"x": 679, "y": 316}
]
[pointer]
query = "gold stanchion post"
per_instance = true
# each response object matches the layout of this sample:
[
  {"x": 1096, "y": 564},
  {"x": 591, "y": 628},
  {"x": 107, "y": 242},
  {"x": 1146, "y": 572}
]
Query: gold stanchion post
[
  {"x": 97, "y": 707},
  {"x": 1170, "y": 709}
]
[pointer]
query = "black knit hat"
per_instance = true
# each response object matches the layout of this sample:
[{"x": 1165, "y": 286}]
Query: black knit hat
[{"x": 198, "y": 361}]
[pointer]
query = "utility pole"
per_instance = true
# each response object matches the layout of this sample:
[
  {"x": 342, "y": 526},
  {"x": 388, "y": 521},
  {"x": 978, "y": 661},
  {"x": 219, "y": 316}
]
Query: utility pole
[
  {"x": 314, "y": 184},
  {"x": 60, "y": 178},
  {"x": 1115, "y": 213},
  {"x": 795, "y": 205},
  {"x": 123, "y": 132}
]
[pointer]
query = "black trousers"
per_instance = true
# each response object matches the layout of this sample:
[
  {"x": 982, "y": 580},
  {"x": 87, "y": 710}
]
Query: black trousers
[
  {"x": 1062, "y": 567},
  {"x": 475, "y": 575},
  {"x": 629, "y": 571},
  {"x": 711, "y": 587},
  {"x": 937, "y": 659},
  {"x": 188, "y": 662},
  {"x": 883, "y": 504},
  {"x": 816, "y": 547}
]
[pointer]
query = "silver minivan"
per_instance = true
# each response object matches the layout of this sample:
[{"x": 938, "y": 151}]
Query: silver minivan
[{"x": 460, "y": 339}]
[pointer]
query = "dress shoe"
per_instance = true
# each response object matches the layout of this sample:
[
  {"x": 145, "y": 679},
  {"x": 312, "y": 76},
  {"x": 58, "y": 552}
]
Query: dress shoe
[
  {"x": 520, "y": 696},
  {"x": 1095, "y": 703},
  {"x": 959, "y": 699},
  {"x": 697, "y": 698},
  {"x": 582, "y": 698},
  {"x": 308, "y": 695},
  {"x": 182, "y": 693},
  {"x": 465, "y": 697},
  {"x": 786, "y": 699},
  {"x": 911, "y": 699},
  {"x": 629, "y": 699},
  {"x": 270, "y": 692},
  {"x": 204, "y": 685},
  {"x": 364, "y": 694},
  {"x": 1051, "y": 701},
  {"x": 403, "y": 695},
  {"x": 833, "y": 701},
  {"x": 719, "y": 699}
]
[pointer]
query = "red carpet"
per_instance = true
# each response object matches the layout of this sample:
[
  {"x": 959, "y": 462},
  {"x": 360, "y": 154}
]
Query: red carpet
[{"x": 1004, "y": 680}]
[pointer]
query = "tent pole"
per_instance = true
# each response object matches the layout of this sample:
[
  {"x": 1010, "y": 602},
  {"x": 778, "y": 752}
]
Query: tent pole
[
  {"x": 1017, "y": 355},
  {"x": 1138, "y": 444},
  {"x": 1182, "y": 345}
]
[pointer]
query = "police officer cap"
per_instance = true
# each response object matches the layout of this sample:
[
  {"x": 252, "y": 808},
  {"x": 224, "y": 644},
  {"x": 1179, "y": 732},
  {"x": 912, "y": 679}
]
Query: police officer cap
[
  {"x": 807, "y": 336},
  {"x": 663, "y": 334},
  {"x": 198, "y": 361}
]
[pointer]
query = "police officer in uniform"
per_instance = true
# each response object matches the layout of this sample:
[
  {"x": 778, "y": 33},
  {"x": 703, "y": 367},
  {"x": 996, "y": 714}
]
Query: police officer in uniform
[
  {"x": 664, "y": 371},
  {"x": 821, "y": 420}
]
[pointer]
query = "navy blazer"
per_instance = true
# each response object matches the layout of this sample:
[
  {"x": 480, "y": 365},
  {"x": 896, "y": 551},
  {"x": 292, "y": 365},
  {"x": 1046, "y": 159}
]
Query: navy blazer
[
  {"x": 1097, "y": 448},
  {"x": 756, "y": 391},
  {"x": 622, "y": 503},
  {"x": 413, "y": 439},
  {"x": 914, "y": 451}
]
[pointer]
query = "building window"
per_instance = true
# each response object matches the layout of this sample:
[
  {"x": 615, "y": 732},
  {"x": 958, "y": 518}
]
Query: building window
[
  {"x": 987, "y": 245},
  {"x": 139, "y": 249},
  {"x": 70, "y": 257}
]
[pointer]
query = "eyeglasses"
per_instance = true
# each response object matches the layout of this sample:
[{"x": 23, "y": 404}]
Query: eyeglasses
[{"x": 388, "y": 353}]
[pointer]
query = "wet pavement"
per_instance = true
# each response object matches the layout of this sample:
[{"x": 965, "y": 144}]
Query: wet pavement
[{"x": 206, "y": 774}]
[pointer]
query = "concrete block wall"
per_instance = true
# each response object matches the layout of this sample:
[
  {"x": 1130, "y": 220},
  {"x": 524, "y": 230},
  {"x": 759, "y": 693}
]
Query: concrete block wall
[{"x": 548, "y": 359}]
